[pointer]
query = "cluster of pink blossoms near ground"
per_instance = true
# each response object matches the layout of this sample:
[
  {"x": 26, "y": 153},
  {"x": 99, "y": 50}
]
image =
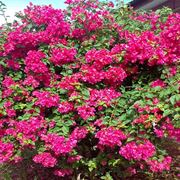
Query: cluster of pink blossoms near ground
[{"x": 90, "y": 90}]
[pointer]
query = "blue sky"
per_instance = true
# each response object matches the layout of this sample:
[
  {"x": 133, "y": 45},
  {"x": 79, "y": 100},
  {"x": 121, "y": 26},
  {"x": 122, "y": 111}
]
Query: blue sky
[{"x": 18, "y": 5}]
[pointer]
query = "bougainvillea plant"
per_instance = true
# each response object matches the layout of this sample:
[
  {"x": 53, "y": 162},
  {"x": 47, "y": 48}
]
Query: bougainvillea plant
[{"x": 89, "y": 92}]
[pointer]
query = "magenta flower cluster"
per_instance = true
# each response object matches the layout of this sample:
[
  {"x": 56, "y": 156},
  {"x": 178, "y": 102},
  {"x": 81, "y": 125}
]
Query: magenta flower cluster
[
  {"x": 84, "y": 91},
  {"x": 110, "y": 137},
  {"x": 46, "y": 159},
  {"x": 156, "y": 166},
  {"x": 141, "y": 151}
]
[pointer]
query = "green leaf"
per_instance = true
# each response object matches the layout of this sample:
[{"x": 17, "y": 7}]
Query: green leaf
[
  {"x": 130, "y": 139},
  {"x": 92, "y": 165},
  {"x": 166, "y": 112},
  {"x": 107, "y": 176}
]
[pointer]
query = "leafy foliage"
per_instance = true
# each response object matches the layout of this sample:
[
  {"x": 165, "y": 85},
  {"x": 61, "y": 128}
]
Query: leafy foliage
[{"x": 89, "y": 92}]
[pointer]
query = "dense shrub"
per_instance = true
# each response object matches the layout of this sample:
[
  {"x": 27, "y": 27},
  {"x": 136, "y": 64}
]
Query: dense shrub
[{"x": 89, "y": 92}]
